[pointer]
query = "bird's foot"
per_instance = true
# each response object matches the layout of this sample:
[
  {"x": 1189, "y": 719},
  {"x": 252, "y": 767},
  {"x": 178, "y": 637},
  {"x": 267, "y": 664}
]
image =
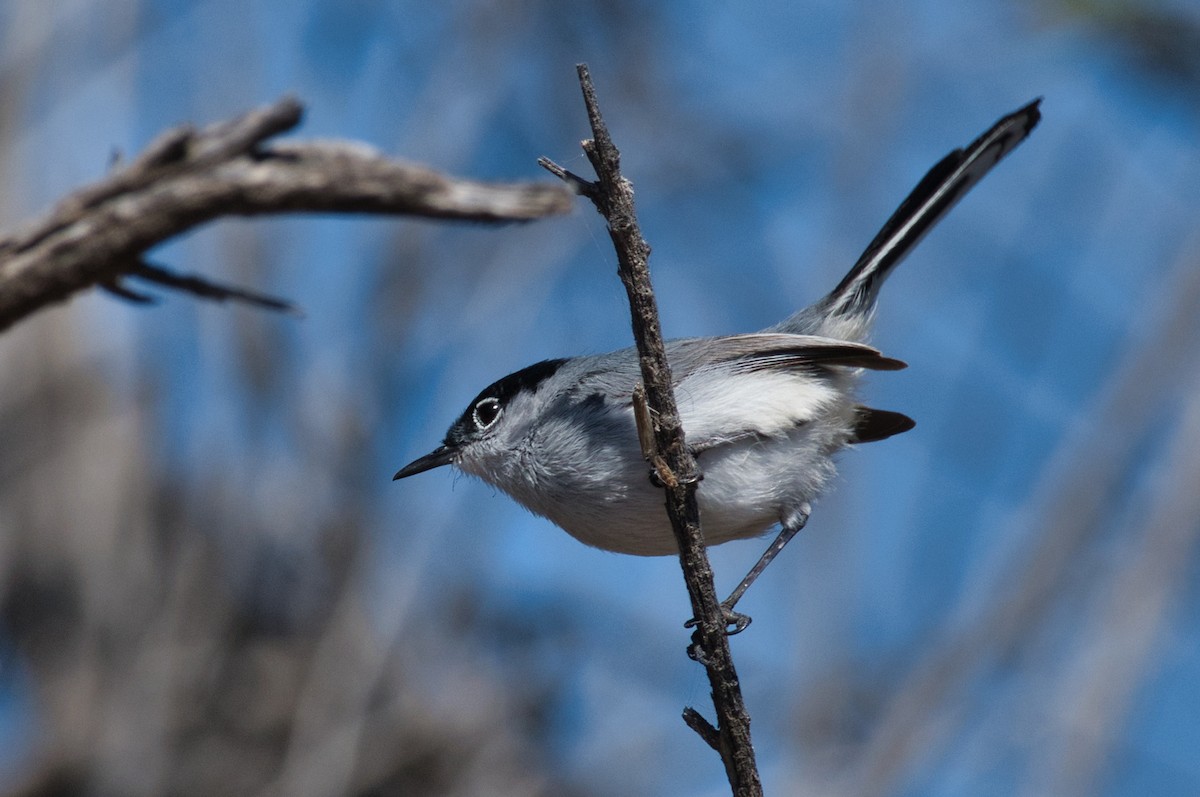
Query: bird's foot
[{"x": 735, "y": 622}]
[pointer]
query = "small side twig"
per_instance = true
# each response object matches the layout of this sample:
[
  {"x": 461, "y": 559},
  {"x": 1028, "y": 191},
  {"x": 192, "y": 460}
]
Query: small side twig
[
  {"x": 579, "y": 185},
  {"x": 207, "y": 289},
  {"x": 672, "y": 462},
  {"x": 695, "y": 720}
]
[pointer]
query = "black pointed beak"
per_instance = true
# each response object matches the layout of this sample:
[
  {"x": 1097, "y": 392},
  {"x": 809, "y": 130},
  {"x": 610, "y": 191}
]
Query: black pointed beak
[{"x": 442, "y": 455}]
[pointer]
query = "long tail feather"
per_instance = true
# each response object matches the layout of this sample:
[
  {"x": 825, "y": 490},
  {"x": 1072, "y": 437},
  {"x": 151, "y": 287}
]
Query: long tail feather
[{"x": 933, "y": 197}]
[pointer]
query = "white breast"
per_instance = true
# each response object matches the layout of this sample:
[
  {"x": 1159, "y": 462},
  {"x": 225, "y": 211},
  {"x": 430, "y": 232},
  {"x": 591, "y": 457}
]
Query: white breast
[{"x": 765, "y": 440}]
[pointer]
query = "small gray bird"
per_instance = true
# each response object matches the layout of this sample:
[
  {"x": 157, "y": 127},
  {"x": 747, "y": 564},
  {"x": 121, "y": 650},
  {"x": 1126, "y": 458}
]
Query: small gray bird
[{"x": 764, "y": 413}]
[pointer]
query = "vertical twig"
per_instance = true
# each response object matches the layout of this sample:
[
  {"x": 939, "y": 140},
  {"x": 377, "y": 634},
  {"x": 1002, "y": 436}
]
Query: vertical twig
[{"x": 673, "y": 463}]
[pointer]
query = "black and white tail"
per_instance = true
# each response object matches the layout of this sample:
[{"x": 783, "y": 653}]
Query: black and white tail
[{"x": 938, "y": 191}]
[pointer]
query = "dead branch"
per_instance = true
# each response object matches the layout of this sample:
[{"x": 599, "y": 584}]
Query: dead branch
[
  {"x": 672, "y": 463},
  {"x": 187, "y": 177}
]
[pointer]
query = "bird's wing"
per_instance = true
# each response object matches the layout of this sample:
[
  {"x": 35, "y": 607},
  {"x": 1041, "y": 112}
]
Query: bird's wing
[
  {"x": 761, "y": 385},
  {"x": 772, "y": 351}
]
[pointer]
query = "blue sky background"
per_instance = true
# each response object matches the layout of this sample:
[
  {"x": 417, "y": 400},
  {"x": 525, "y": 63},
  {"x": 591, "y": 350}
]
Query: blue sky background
[{"x": 767, "y": 143}]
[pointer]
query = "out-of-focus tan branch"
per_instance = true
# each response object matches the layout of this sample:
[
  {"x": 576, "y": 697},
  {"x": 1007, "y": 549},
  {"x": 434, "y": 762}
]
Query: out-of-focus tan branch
[{"x": 187, "y": 177}]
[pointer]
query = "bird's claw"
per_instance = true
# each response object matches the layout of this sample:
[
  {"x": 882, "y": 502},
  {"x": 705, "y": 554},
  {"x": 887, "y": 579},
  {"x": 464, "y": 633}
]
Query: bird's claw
[
  {"x": 735, "y": 622},
  {"x": 695, "y": 650}
]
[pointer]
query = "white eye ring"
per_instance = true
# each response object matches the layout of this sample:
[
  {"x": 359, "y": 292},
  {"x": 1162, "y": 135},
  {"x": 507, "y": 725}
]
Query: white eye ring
[{"x": 486, "y": 412}]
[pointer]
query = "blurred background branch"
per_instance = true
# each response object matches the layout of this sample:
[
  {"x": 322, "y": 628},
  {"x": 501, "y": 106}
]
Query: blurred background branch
[{"x": 186, "y": 177}]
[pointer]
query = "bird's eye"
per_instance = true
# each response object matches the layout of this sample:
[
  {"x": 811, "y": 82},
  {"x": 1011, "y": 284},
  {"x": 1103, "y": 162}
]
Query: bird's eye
[{"x": 486, "y": 412}]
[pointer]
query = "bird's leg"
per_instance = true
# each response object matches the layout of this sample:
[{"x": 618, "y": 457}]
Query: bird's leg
[{"x": 736, "y": 622}]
